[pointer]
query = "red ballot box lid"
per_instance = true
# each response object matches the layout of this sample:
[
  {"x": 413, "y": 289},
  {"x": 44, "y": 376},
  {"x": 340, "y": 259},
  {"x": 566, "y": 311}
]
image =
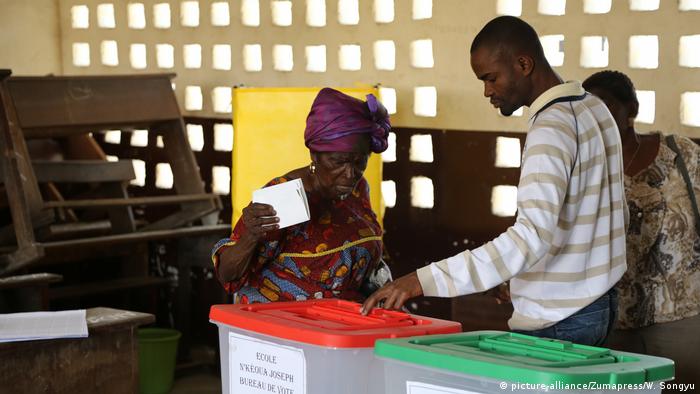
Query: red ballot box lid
[{"x": 328, "y": 322}]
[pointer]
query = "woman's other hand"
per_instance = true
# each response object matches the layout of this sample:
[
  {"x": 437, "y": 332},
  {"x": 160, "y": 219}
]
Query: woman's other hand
[{"x": 259, "y": 219}]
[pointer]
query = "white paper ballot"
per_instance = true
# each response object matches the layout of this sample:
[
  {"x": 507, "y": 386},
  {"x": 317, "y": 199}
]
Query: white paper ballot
[
  {"x": 30, "y": 326},
  {"x": 288, "y": 199}
]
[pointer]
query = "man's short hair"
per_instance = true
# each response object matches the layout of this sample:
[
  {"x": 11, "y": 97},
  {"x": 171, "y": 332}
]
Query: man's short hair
[{"x": 511, "y": 35}]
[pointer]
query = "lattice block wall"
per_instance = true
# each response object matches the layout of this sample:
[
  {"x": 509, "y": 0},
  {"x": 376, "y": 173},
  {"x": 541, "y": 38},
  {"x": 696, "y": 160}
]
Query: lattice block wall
[{"x": 416, "y": 49}]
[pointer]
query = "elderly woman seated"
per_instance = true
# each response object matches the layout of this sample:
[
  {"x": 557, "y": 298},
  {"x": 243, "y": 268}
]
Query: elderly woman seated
[{"x": 332, "y": 254}]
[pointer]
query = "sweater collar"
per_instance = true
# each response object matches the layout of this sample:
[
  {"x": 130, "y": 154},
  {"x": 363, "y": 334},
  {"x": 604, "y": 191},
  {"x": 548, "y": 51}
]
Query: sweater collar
[{"x": 570, "y": 88}]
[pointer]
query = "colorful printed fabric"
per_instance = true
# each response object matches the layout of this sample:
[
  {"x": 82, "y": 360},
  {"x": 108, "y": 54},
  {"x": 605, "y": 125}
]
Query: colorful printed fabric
[
  {"x": 336, "y": 121},
  {"x": 662, "y": 282},
  {"x": 326, "y": 257}
]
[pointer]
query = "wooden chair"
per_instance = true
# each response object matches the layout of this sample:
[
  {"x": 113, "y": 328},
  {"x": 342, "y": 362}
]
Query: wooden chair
[{"x": 55, "y": 227}]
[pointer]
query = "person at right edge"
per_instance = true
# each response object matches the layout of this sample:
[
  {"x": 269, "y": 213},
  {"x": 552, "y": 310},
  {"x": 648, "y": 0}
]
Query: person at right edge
[
  {"x": 566, "y": 250},
  {"x": 659, "y": 307}
]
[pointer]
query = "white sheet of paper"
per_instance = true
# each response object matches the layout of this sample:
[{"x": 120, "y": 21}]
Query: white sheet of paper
[
  {"x": 257, "y": 366},
  {"x": 29, "y": 326},
  {"x": 288, "y": 199}
]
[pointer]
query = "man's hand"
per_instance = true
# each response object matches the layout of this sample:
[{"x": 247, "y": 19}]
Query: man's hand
[
  {"x": 501, "y": 293},
  {"x": 394, "y": 294}
]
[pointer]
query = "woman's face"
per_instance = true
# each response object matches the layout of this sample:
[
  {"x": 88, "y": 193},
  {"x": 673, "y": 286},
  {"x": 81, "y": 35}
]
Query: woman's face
[
  {"x": 338, "y": 172},
  {"x": 619, "y": 110}
]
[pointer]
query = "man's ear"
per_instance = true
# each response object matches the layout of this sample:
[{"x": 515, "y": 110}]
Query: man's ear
[{"x": 526, "y": 65}]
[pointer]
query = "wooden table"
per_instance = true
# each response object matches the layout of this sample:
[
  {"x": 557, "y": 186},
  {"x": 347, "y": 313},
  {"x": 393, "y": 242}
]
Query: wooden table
[{"x": 104, "y": 362}]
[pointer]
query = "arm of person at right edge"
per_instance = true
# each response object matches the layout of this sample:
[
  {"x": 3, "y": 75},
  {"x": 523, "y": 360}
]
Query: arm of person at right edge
[
  {"x": 234, "y": 258},
  {"x": 545, "y": 173},
  {"x": 691, "y": 156}
]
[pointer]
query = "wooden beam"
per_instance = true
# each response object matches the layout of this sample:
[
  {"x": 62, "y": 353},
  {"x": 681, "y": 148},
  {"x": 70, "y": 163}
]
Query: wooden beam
[
  {"x": 22, "y": 190},
  {"x": 81, "y": 147},
  {"x": 181, "y": 218},
  {"x": 80, "y": 100},
  {"x": 21, "y": 258},
  {"x": 122, "y": 218},
  {"x": 20, "y": 180},
  {"x": 117, "y": 202},
  {"x": 104, "y": 287},
  {"x": 186, "y": 176},
  {"x": 8, "y": 235},
  {"x": 95, "y": 254},
  {"x": 73, "y": 130},
  {"x": 31, "y": 280},
  {"x": 120, "y": 239},
  {"x": 64, "y": 251},
  {"x": 83, "y": 171},
  {"x": 56, "y": 232},
  {"x": 53, "y": 194}
]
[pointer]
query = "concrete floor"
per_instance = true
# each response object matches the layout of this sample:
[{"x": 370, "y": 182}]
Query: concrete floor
[
  {"x": 198, "y": 383},
  {"x": 200, "y": 376}
]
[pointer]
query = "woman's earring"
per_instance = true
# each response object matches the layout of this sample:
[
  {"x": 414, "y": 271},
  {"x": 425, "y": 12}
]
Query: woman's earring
[{"x": 312, "y": 168}]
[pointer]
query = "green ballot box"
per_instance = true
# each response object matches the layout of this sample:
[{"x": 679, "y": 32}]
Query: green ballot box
[{"x": 503, "y": 362}]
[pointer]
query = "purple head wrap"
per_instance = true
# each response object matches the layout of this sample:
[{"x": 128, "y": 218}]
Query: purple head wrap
[{"x": 336, "y": 121}]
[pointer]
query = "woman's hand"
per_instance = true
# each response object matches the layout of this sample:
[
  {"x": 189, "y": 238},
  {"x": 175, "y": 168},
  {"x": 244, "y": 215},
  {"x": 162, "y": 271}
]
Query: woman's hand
[
  {"x": 259, "y": 219},
  {"x": 234, "y": 260}
]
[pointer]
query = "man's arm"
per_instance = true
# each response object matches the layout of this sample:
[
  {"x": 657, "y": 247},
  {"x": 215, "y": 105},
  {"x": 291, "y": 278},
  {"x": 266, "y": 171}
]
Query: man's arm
[{"x": 545, "y": 174}]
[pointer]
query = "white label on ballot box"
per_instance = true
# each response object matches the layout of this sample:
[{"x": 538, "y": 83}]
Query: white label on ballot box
[
  {"x": 425, "y": 388},
  {"x": 258, "y": 367}
]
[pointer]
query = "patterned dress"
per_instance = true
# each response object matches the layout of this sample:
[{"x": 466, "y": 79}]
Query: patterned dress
[
  {"x": 325, "y": 257},
  {"x": 662, "y": 282}
]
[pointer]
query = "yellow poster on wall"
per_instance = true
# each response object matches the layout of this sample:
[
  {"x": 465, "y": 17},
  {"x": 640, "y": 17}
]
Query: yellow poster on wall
[{"x": 268, "y": 141}]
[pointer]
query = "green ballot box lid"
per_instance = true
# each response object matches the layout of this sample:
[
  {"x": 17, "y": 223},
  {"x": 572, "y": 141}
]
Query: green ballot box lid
[{"x": 525, "y": 359}]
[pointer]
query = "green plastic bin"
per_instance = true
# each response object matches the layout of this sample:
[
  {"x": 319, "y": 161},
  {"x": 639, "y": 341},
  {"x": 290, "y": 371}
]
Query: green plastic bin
[
  {"x": 500, "y": 362},
  {"x": 157, "y": 351}
]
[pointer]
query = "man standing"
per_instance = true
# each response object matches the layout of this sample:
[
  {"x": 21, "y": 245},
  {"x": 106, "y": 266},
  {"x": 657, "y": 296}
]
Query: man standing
[{"x": 566, "y": 249}]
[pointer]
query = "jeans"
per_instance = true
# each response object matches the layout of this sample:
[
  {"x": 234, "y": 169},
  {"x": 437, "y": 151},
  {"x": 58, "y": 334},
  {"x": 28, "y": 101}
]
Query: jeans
[{"x": 589, "y": 326}]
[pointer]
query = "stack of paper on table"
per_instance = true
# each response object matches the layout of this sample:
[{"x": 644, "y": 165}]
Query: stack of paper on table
[
  {"x": 289, "y": 201},
  {"x": 30, "y": 326}
]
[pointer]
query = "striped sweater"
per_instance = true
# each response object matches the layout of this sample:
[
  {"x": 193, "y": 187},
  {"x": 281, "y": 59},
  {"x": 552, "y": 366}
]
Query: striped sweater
[{"x": 567, "y": 246}]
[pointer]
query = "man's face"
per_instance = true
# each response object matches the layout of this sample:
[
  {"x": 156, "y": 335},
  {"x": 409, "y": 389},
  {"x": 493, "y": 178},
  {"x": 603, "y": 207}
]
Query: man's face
[{"x": 501, "y": 81}]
